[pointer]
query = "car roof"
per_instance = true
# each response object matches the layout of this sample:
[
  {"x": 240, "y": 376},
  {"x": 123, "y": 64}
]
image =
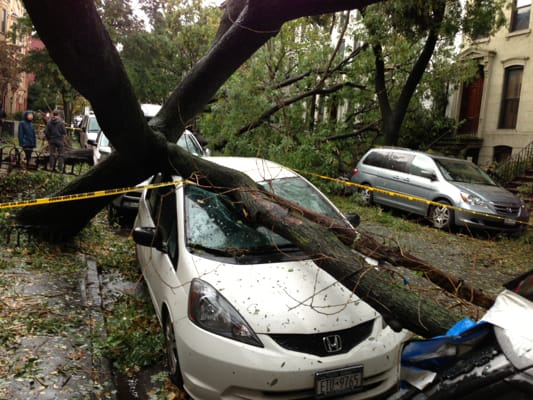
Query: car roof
[
  {"x": 407, "y": 150},
  {"x": 256, "y": 168}
]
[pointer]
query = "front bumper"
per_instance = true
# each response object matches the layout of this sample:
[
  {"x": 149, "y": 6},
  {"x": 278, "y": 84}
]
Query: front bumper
[
  {"x": 214, "y": 367},
  {"x": 499, "y": 223}
]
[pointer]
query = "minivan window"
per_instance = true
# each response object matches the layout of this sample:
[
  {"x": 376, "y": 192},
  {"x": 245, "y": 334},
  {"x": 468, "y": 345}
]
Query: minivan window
[
  {"x": 463, "y": 171},
  {"x": 376, "y": 159},
  {"x": 422, "y": 166},
  {"x": 400, "y": 161}
]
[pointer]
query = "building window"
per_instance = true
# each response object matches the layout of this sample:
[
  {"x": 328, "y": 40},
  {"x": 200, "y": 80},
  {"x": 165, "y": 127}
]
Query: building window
[
  {"x": 511, "y": 97},
  {"x": 4, "y": 20},
  {"x": 520, "y": 16}
]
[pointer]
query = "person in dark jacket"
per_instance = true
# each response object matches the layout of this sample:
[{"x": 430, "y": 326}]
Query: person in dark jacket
[
  {"x": 26, "y": 135},
  {"x": 55, "y": 134}
]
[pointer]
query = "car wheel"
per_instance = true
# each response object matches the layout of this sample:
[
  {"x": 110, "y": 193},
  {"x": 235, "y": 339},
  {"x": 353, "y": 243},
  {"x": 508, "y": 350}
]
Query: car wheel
[
  {"x": 172, "y": 353},
  {"x": 441, "y": 216},
  {"x": 366, "y": 195}
]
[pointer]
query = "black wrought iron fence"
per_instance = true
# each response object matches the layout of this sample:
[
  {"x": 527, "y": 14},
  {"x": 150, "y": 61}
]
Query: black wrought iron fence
[
  {"x": 515, "y": 166},
  {"x": 13, "y": 157}
]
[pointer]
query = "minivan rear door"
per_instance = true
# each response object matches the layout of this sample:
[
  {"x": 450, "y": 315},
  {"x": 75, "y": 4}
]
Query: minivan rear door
[
  {"x": 423, "y": 183},
  {"x": 397, "y": 179}
]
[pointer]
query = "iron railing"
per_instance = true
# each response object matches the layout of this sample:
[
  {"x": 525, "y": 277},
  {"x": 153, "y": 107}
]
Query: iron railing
[
  {"x": 515, "y": 166},
  {"x": 13, "y": 157}
]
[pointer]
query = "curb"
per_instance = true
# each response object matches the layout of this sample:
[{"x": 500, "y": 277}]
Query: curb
[{"x": 93, "y": 303}]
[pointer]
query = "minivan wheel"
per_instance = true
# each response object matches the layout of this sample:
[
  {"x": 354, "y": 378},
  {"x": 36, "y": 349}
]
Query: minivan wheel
[
  {"x": 172, "y": 353},
  {"x": 440, "y": 216},
  {"x": 366, "y": 195}
]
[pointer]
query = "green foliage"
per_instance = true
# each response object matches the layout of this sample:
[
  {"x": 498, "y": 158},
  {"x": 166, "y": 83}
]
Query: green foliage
[
  {"x": 52, "y": 88},
  {"x": 133, "y": 338},
  {"x": 119, "y": 19},
  {"x": 181, "y": 33},
  {"x": 9, "y": 67},
  {"x": 37, "y": 184}
]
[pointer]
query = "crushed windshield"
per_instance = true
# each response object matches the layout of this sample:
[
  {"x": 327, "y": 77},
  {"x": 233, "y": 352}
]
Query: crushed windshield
[
  {"x": 300, "y": 192},
  {"x": 214, "y": 223},
  {"x": 463, "y": 171}
]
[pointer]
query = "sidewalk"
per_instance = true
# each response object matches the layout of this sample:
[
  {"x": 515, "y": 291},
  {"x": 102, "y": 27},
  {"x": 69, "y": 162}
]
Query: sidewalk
[{"x": 48, "y": 326}]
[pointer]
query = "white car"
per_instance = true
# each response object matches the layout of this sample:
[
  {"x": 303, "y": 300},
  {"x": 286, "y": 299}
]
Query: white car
[{"x": 245, "y": 313}]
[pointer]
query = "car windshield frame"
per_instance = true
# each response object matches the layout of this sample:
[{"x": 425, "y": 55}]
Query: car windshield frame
[{"x": 463, "y": 171}]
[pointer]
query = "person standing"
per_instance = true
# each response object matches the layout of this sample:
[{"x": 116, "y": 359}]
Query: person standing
[
  {"x": 55, "y": 134},
  {"x": 26, "y": 135}
]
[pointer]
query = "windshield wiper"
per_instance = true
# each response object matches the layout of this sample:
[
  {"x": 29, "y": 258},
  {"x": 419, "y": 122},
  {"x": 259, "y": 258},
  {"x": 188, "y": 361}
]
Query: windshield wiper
[{"x": 211, "y": 250}]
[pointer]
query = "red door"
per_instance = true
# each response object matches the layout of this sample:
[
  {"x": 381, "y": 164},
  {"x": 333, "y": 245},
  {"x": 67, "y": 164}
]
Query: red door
[{"x": 471, "y": 105}]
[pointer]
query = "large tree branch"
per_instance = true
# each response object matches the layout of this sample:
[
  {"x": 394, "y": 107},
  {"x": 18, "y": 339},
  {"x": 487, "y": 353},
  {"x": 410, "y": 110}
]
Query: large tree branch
[
  {"x": 79, "y": 44},
  {"x": 284, "y": 103},
  {"x": 247, "y": 25}
]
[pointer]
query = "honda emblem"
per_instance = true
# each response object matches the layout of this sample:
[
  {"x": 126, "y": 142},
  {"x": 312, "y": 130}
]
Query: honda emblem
[{"x": 332, "y": 343}]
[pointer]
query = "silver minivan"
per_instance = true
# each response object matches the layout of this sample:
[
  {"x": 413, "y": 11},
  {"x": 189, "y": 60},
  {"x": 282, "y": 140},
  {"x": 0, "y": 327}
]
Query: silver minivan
[{"x": 405, "y": 179}]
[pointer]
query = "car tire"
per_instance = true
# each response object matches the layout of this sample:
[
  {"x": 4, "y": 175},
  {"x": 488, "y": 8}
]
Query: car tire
[
  {"x": 366, "y": 195},
  {"x": 441, "y": 217},
  {"x": 172, "y": 352}
]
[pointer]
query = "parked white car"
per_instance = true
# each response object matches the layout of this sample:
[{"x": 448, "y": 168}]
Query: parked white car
[{"x": 245, "y": 313}]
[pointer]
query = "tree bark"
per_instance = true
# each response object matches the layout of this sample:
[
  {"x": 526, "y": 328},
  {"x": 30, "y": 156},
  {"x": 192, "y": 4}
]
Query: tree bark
[{"x": 393, "y": 116}]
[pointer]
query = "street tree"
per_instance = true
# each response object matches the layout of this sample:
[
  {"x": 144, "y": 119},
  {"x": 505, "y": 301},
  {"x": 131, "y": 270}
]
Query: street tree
[
  {"x": 423, "y": 26},
  {"x": 176, "y": 28},
  {"x": 90, "y": 61},
  {"x": 10, "y": 68},
  {"x": 53, "y": 87}
]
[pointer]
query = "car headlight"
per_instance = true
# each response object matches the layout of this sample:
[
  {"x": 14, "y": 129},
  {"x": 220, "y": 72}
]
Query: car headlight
[
  {"x": 211, "y": 311},
  {"x": 473, "y": 200}
]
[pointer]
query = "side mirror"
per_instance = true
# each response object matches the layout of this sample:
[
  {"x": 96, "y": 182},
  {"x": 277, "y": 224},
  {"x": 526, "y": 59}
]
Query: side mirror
[
  {"x": 91, "y": 142},
  {"x": 148, "y": 237},
  {"x": 353, "y": 219}
]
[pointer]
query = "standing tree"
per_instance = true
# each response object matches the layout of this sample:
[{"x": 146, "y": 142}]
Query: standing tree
[
  {"x": 10, "y": 67},
  {"x": 425, "y": 25},
  {"x": 89, "y": 60}
]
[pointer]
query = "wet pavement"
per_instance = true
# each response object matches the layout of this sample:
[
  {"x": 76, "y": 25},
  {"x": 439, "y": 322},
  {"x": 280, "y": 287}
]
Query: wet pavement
[
  {"x": 52, "y": 325},
  {"x": 48, "y": 329}
]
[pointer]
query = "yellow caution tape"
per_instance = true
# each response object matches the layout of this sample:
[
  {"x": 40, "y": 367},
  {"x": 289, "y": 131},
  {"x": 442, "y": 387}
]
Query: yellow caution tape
[
  {"x": 83, "y": 196},
  {"x": 112, "y": 192}
]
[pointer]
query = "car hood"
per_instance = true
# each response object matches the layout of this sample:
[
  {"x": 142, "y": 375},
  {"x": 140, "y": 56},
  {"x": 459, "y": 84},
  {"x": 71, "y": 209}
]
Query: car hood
[
  {"x": 495, "y": 194},
  {"x": 288, "y": 297}
]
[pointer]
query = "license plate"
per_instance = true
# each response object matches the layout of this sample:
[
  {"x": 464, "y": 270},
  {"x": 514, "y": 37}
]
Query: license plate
[
  {"x": 509, "y": 221},
  {"x": 338, "y": 382}
]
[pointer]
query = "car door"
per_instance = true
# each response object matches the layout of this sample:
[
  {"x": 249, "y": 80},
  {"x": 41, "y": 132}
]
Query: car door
[
  {"x": 397, "y": 179},
  {"x": 159, "y": 264},
  {"x": 423, "y": 182}
]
